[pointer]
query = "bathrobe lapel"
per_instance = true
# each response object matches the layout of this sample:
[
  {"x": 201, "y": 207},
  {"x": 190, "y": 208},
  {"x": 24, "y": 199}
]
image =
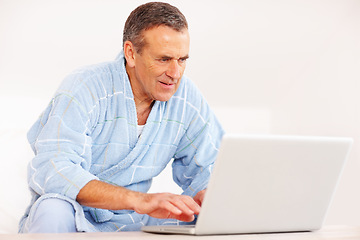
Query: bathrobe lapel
[{"x": 138, "y": 146}]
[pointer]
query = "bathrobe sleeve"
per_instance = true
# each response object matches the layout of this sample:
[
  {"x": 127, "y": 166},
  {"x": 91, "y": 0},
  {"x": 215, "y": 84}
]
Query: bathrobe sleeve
[
  {"x": 198, "y": 147},
  {"x": 61, "y": 143}
]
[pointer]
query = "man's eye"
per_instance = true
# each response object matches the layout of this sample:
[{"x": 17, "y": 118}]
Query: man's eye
[{"x": 164, "y": 60}]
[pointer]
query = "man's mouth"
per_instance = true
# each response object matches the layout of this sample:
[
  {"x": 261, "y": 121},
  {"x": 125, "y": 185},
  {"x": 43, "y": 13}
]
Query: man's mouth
[{"x": 168, "y": 84}]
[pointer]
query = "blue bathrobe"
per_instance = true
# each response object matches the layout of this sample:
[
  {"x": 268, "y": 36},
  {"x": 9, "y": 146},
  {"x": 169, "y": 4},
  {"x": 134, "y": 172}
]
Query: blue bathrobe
[{"x": 89, "y": 131}]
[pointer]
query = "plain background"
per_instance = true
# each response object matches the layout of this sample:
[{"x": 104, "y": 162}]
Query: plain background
[{"x": 266, "y": 67}]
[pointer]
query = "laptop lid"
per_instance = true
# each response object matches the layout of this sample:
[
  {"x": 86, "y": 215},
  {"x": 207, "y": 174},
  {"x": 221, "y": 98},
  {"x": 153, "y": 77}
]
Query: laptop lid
[
  {"x": 272, "y": 184},
  {"x": 263, "y": 184}
]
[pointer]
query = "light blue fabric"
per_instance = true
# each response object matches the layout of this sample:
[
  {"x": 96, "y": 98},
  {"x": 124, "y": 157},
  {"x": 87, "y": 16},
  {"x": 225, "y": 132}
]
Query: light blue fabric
[
  {"x": 53, "y": 215},
  {"x": 89, "y": 131}
]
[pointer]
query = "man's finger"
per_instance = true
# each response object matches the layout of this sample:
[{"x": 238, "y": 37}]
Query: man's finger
[
  {"x": 193, "y": 205},
  {"x": 171, "y": 208},
  {"x": 199, "y": 198},
  {"x": 183, "y": 206},
  {"x": 175, "y": 213},
  {"x": 188, "y": 207}
]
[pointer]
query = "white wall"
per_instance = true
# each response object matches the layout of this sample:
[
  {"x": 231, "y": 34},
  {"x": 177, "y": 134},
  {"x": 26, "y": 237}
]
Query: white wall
[{"x": 279, "y": 67}]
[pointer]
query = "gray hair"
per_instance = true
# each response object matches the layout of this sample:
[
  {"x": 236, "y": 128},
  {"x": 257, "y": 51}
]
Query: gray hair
[{"x": 150, "y": 15}]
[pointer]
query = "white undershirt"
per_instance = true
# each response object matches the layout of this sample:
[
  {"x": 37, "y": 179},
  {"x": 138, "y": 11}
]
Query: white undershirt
[{"x": 140, "y": 129}]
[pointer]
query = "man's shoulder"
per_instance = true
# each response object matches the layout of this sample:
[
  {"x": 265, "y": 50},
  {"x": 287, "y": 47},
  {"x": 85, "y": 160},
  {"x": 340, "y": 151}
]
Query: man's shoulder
[
  {"x": 95, "y": 75},
  {"x": 92, "y": 70}
]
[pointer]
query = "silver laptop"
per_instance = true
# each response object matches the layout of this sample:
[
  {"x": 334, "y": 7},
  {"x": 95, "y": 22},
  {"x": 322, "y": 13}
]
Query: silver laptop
[{"x": 263, "y": 184}]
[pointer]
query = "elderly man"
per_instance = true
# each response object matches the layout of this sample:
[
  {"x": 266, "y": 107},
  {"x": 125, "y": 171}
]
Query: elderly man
[{"x": 112, "y": 127}]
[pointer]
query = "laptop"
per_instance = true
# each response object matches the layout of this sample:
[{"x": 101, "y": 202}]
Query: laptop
[{"x": 266, "y": 184}]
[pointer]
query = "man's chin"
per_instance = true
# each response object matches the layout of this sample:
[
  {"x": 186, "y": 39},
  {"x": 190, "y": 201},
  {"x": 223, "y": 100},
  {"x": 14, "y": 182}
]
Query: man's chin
[{"x": 164, "y": 98}]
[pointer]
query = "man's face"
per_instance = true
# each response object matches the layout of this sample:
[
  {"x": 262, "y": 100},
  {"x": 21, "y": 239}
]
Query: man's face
[{"x": 161, "y": 64}]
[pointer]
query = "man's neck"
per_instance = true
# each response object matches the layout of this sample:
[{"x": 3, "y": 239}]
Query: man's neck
[
  {"x": 143, "y": 112},
  {"x": 143, "y": 106}
]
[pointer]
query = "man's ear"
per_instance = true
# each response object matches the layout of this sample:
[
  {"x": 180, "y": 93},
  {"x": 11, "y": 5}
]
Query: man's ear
[{"x": 129, "y": 52}]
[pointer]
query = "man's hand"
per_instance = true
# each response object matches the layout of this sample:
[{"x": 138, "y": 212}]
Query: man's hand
[
  {"x": 167, "y": 205},
  {"x": 199, "y": 197}
]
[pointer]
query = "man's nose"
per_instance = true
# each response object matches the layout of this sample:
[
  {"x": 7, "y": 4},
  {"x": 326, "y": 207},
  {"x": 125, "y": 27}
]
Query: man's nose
[{"x": 174, "y": 70}]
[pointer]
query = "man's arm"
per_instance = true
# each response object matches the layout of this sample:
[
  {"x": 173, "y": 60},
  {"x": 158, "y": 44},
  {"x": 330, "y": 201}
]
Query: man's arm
[{"x": 99, "y": 194}]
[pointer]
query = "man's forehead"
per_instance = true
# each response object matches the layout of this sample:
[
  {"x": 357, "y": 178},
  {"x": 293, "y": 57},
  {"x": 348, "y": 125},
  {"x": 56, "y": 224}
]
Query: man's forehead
[
  {"x": 165, "y": 35},
  {"x": 167, "y": 42}
]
